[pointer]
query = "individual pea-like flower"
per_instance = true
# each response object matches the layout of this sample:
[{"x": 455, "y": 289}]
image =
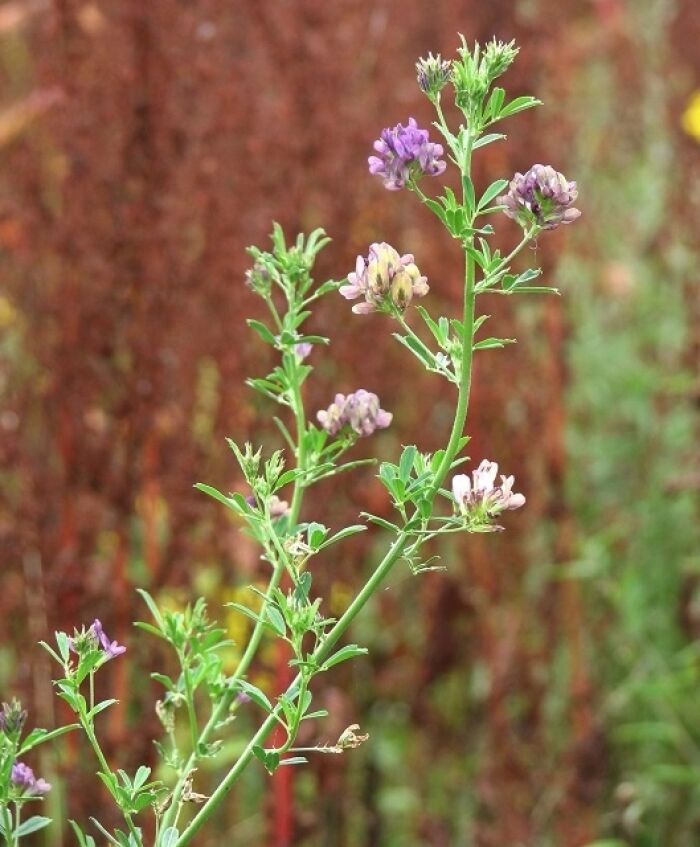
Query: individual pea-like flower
[
  {"x": 479, "y": 498},
  {"x": 359, "y": 410},
  {"x": 433, "y": 74},
  {"x": 385, "y": 279},
  {"x": 96, "y": 637},
  {"x": 542, "y": 197},
  {"x": 23, "y": 779},
  {"x": 405, "y": 153},
  {"x": 278, "y": 508},
  {"x": 302, "y": 350},
  {"x": 111, "y": 648}
]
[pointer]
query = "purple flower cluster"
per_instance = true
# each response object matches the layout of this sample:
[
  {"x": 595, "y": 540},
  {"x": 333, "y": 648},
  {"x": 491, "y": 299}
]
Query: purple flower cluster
[
  {"x": 541, "y": 196},
  {"x": 480, "y": 497},
  {"x": 359, "y": 410},
  {"x": 22, "y": 777},
  {"x": 405, "y": 152},
  {"x": 382, "y": 278}
]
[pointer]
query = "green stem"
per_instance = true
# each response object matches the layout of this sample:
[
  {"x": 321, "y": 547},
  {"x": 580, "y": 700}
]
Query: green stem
[
  {"x": 191, "y": 714},
  {"x": 92, "y": 738}
]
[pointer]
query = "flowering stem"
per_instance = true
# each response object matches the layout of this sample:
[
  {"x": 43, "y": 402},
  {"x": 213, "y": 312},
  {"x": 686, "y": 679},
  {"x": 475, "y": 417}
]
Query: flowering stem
[{"x": 392, "y": 556}]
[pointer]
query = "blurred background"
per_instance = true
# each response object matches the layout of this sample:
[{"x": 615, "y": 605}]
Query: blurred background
[{"x": 544, "y": 691}]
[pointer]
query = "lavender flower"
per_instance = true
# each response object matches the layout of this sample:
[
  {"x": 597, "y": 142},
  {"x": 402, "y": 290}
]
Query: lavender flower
[
  {"x": 95, "y": 637},
  {"x": 22, "y": 777},
  {"x": 542, "y": 196},
  {"x": 278, "y": 508},
  {"x": 432, "y": 74},
  {"x": 111, "y": 648},
  {"x": 384, "y": 278},
  {"x": 405, "y": 153},
  {"x": 359, "y": 410},
  {"x": 303, "y": 350},
  {"x": 479, "y": 498}
]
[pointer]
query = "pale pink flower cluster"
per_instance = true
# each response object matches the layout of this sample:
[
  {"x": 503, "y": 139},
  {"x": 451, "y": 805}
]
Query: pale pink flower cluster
[{"x": 480, "y": 496}]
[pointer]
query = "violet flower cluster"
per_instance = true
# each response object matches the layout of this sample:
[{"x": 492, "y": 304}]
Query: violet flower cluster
[
  {"x": 405, "y": 153},
  {"x": 542, "y": 196},
  {"x": 384, "y": 278},
  {"x": 22, "y": 778},
  {"x": 480, "y": 498},
  {"x": 359, "y": 410}
]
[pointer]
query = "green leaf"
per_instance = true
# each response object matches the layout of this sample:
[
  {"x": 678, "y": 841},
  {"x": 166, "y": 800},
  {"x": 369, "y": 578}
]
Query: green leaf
[
  {"x": 491, "y": 192},
  {"x": 269, "y": 758},
  {"x": 533, "y": 289},
  {"x": 244, "y": 610},
  {"x": 406, "y": 462},
  {"x": 32, "y": 824},
  {"x": 345, "y": 653},
  {"x": 256, "y": 695},
  {"x": 294, "y": 760},
  {"x": 469, "y": 198},
  {"x": 380, "y": 522},
  {"x": 488, "y": 139},
  {"x": 83, "y": 839},
  {"x": 169, "y": 836},
  {"x": 436, "y": 209},
  {"x": 343, "y": 533},
  {"x": 495, "y": 103},
  {"x": 477, "y": 256},
  {"x": 39, "y": 736},
  {"x": 492, "y": 343},
  {"x": 275, "y": 617},
  {"x": 152, "y": 606},
  {"x": 100, "y": 707},
  {"x": 141, "y": 776},
  {"x": 262, "y": 330},
  {"x": 229, "y": 502},
  {"x": 416, "y": 347},
  {"x": 518, "y": 105},
  {"x": 432, "y": 325}
]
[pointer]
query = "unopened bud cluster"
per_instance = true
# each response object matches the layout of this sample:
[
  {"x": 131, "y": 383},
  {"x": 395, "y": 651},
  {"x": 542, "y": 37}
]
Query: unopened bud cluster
[{"x": 385, "y": 280}]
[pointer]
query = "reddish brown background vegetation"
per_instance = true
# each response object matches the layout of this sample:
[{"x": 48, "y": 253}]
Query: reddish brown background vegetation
[{"x": 150, "y": 142}]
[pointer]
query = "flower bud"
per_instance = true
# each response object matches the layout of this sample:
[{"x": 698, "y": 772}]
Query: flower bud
[
  {"x": 386, "y": 281},
  {"x": 433, "y": 74},
  {"x": 12, "y": 718}
]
